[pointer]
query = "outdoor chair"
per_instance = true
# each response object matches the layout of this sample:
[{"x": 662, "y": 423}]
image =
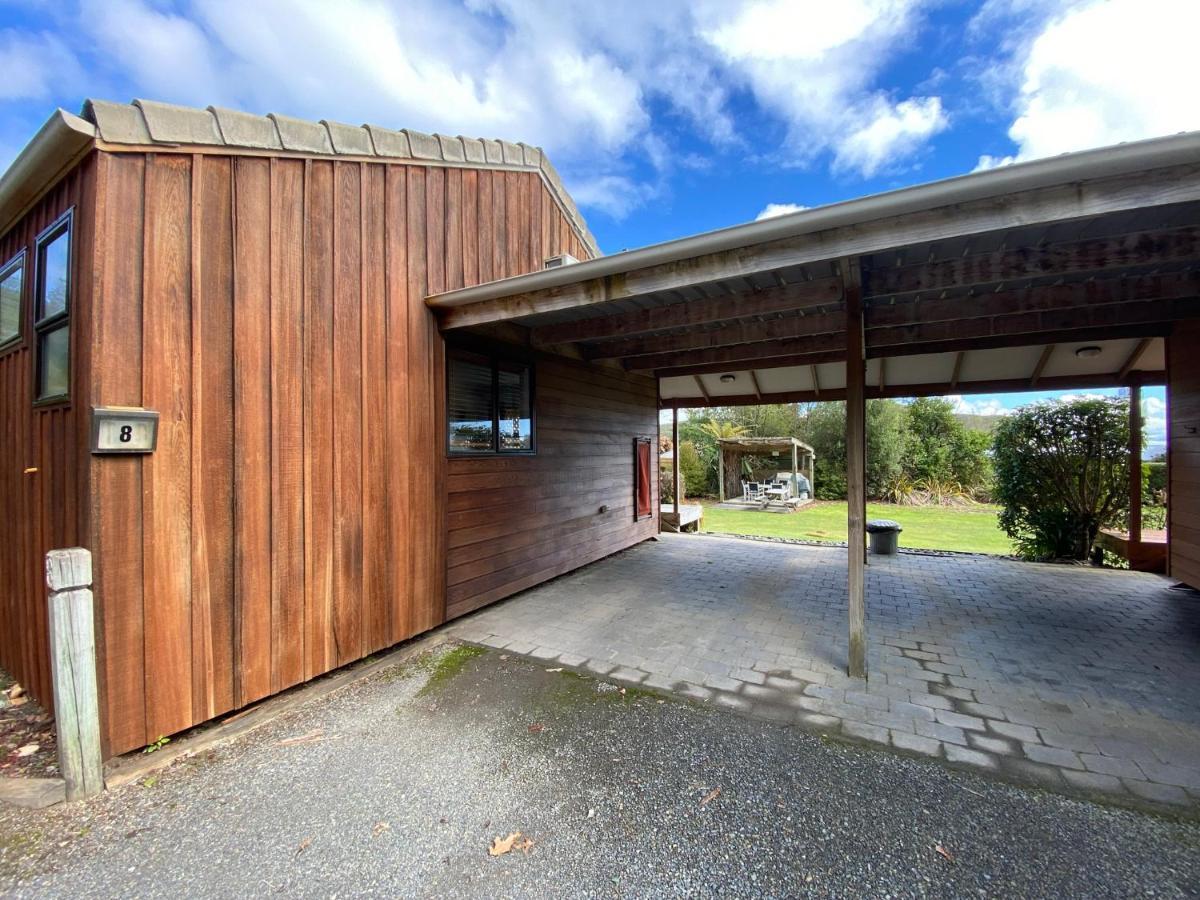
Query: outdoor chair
[{"x": 754, "y": 491}]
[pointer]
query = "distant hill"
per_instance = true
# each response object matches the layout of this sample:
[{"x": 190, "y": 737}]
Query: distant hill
[{"x": 986, "y": 424}]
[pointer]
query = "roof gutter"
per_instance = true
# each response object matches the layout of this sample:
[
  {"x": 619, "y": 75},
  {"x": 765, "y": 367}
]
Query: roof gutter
[
  {"x": 1121, "y": 159},
  {"x": 56, "y": 147}
]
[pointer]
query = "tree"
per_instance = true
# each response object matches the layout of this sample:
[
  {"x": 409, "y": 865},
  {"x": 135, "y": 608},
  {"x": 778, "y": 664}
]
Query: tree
[
  {"x": 824, "y": 430},
  {"x": 1062, "y": 473},
  {"x": 691, "y": 470},
  {"x": 942, "y": 451}
]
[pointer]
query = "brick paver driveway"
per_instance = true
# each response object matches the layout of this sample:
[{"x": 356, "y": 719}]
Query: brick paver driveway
[{"x": 1082, "y": 680}]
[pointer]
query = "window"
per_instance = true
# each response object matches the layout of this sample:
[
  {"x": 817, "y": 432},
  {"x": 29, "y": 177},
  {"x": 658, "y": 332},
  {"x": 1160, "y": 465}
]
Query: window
[
  {"x": 641, "y": 479},
  {"x": 52, "y": 302},
  {"x": 12, "y": 287},
  {"x": 490, "y": 404}
]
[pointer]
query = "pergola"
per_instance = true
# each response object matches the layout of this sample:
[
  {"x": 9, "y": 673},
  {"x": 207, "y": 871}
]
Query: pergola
[
  {"x": 1061, "y": 273},
  {"x": 731, "y": 451}
]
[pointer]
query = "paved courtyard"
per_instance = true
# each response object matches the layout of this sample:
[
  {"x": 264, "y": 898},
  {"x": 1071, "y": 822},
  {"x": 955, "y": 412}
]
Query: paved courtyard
[{"x": 1080, "y": 680}]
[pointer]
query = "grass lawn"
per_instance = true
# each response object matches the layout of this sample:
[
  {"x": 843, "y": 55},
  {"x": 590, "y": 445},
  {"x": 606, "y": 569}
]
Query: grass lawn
[{"x": 971, "y": 528}]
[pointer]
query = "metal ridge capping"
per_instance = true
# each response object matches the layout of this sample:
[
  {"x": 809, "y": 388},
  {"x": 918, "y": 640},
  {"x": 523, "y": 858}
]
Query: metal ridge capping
[{"x": 149, "y": 122}]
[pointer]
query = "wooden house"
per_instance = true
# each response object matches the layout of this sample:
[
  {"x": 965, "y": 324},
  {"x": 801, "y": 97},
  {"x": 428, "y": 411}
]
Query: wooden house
[
  {"x": 379, "y": 408},
  {"x": 330, "y": 475}
]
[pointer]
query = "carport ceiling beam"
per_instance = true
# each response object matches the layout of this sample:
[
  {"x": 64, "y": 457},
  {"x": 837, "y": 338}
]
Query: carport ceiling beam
[
  {"x": 931, "y": 389},
  {"x": 1091, "y": 255},
  {"x": 1133, "y": 359},
  {"x": 690, "y": 313}
]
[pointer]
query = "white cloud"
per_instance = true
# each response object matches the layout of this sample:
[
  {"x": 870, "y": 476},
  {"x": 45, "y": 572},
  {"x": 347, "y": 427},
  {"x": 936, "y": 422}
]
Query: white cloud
[
  {"x": 606, "y": 88},
  {"x": 615, "y": 195},
  {"x": 813, "y": 63},
  {"x": 982, "y": 405},
  {"x": 1098, "y": 73},
  {"x": 771, "y": 210},
  {"x": 33, "y": 65},
  {"x": 895, "y": 131},
  {"x": 993, "y": 162}
]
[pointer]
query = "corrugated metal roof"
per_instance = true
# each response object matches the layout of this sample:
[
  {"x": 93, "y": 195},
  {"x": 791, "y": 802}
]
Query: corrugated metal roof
[{"x": 148, "y": 122}]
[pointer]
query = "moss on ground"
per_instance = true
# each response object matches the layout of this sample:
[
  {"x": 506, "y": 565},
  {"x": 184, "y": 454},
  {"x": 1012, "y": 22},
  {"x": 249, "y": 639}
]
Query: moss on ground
[{"x": 444, "y": 667}]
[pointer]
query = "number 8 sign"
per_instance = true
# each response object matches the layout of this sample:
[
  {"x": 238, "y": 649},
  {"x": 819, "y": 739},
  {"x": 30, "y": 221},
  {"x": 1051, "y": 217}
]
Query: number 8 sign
[{"x": 118, "y": 429}]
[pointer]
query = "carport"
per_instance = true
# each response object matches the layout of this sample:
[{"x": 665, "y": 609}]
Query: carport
[{"x": 1074, "y": 272}]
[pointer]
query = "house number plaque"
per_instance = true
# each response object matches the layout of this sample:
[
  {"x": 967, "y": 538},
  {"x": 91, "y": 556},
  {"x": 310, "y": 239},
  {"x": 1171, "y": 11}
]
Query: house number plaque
[{"x": 119, "y": 429}]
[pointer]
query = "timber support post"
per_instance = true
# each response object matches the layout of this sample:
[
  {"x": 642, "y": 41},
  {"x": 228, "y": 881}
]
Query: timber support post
[
  {"x": 675, "y": 460},
  {"x": 73, "y": 667},
  {"x": 1135, "y": 462},
  {"x": 721, "y": 471},
  {"x": 856, "y": 496}
]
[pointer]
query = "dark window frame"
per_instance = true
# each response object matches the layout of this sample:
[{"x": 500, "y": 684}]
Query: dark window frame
[
  {"x": 45, "y": 325},
  {"x": 18, "y": 261},
  {"x": 495, "y": 359}
]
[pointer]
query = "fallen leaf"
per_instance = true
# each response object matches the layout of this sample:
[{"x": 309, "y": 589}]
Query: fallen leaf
[
  {"x": 15, "y": 691},
  {"x": 559, "y": 669},
  {"x": 504, "y": 656},
  {"x": 591, "y": 814},
  {"x": 711, "y": 796},
  {"x": 944, "y": 852},
  {"x": 537, "y": 728},
  {"x": 28, "y": 749},
  {"x": 304, "y": 845},
  {"x": 500, "y": 845},
  {"x": 19, "y": 701},
  {"x": 525, "y": 845},
  {"x": 316, "y": 734},
  {"x": 380, "y": 828}
]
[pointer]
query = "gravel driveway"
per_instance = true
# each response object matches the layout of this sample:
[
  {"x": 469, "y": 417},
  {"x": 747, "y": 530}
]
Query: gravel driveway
[{"x": 398, "y": 784}]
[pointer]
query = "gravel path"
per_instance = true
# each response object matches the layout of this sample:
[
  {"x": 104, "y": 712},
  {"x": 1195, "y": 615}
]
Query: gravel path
[{"x": 401, "y": 785}]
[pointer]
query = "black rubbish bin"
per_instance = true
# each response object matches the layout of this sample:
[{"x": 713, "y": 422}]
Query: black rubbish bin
[{"x": 885, "y": 536}]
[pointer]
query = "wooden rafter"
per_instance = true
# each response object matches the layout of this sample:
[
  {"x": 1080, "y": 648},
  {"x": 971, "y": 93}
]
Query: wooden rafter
[
  {"x": 735, "y": 333},
  {"x": 1132, "y": 361},
  {"x": 703, "y": 389},
  {"x": 1041, "y": 364},
  {"x": 933, "y": 389},
  {"x": 958, "y": 363},
  {"x": 1093, "y": 255},
  {"x": 691, "y": 313},
  {"x": 816, "y": 380},
  {"x": 754, "y": 381},
  {"x": 1038, "y": 299}
]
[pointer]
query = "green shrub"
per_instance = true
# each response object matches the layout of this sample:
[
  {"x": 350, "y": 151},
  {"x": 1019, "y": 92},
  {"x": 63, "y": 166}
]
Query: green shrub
[{"x": 1062, "y": 473}]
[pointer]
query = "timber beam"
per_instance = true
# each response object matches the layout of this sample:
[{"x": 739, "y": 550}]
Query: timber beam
[
  {"x": 690, "y": 313},
  {"x": 1145, "y": 248},
  {"x": 933, "y": 389}
]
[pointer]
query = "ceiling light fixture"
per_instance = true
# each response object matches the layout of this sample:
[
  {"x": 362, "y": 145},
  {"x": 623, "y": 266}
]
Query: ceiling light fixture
[
  {"x": 728, "y": 378},
  {"x": 1087, "y": 352}
]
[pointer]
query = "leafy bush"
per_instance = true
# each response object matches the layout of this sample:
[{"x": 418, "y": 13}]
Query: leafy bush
[
  {"x": 692, "y": 470},
  {"x": 1154, "y": 482},
  {"x": 1062, "y": 473}
]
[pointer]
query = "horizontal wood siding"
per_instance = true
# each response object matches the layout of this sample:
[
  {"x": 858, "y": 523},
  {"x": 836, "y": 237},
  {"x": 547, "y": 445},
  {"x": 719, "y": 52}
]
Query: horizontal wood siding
[
  {"x": 42, "y": 479},
  {"x": 1183, "y": 439},
  {"x": 515, "y": 521},
  {"x": 293, "y": 516}
]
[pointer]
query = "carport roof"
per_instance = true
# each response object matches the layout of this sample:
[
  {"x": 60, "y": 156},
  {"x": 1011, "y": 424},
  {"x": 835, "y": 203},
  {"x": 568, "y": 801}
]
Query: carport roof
[{"x": 992, "y": 281}]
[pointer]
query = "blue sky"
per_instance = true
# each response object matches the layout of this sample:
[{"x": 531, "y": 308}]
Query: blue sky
[{"x": 666, "y": 118}]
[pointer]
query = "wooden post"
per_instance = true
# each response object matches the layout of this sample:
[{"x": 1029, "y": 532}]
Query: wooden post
[
  {"x": 856, "y": 497},
  {"x": 73, "y": 667},
  {"x": 721, "y": 471},
  {"x": 1135, "y": 462},
  {"x": 675, "y": 459}
]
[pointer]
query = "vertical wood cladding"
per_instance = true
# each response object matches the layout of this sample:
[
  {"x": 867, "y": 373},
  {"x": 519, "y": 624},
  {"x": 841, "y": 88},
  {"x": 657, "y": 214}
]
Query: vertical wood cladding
[
  {"x": 42, "y": 478},
  {"x": 1183, "y": 437},
  {"x": 515, "y": 521},
  {"x": 293, "y": 516}
]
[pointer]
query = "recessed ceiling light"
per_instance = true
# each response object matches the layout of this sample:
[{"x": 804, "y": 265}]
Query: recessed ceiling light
[
  {"x": 1087, "y": 352},
  {"x": 727, "y": 378}
]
